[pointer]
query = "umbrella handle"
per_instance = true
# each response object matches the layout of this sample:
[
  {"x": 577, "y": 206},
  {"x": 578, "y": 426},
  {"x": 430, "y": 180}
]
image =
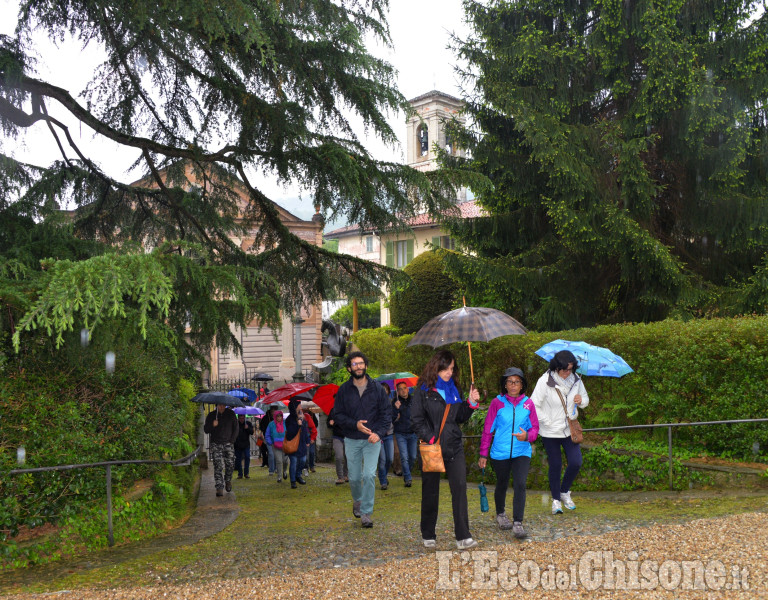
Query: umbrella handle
[{"x": 471, "y": 368}]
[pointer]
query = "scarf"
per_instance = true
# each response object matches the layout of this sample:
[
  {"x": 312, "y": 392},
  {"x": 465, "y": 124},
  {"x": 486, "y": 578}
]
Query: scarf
[
  {"x": 566, "y": 383},
  {"x": 448, "y": 391}
]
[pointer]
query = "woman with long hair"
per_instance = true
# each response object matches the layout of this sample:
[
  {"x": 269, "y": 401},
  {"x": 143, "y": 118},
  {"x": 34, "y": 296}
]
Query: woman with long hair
[{"x": 437, "y": 398}]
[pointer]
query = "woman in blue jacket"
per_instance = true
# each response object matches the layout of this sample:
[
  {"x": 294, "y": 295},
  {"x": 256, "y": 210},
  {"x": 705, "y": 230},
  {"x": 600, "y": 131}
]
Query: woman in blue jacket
[{"x": 512, "y": 424}]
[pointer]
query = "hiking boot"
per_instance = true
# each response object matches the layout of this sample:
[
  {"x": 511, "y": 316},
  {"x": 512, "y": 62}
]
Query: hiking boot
[
  {"x": 503, "y": 522},
  {"x": 466, "y": 544},
  {"x": 429, "y": 543},
  {"x": 228, "y": 486},
  {"x": 565, "y": 499},
  {"x": 384, "y": 486},
  {"x": 518, "y": 530},
  {"x": 356, "y": 509},
  {"x": 293, "y": 485},
  {"x": 312, "y": 470},
  {"x": 247, "y": 477},
  {"x": 408, "y": 483},
  {"x": 301, "y": 481},
  {"x": 365, "y": 521},
  {"x": 339, "y": 482},
  {"x": 557, "y": 507},
  {"x": 239, "y": 476},
  {"x": 219, "y": 491}
]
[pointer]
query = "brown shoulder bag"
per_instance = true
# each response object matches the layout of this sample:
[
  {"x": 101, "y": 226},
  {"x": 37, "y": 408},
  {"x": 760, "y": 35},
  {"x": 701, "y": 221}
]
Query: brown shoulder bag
[
  {"x": 432, "y": 454},
  {"x": 577, "y": 435}
]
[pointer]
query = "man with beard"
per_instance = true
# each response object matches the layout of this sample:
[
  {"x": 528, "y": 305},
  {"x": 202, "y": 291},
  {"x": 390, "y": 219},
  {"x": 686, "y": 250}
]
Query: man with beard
[{"x": 363, "y": 412}]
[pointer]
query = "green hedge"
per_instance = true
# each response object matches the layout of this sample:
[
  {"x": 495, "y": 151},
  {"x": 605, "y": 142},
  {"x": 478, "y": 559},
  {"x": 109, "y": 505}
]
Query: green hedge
[{"x": 705, "y": 370}]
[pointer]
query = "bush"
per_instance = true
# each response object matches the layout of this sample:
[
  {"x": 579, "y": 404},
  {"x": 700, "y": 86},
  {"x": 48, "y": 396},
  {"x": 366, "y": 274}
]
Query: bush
[
  {"x": 368, "y": 316},
  {"x": 431, "y": 292},
  {"x": 707, "y": 370}
]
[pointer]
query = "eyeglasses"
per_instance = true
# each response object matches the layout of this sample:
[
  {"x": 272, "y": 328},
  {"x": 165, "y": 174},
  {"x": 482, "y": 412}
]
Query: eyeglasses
[
  {"x": 357, "y": 364},
  {"x": 514, "y": 382}
]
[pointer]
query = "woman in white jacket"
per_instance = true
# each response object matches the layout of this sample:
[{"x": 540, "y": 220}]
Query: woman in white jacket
[{"x": 553, "y": 425}]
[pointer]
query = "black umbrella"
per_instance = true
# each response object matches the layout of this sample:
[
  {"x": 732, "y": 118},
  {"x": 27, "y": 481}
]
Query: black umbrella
[
  {"x": 262, "y": 377},
  {"x": 217, "y": 398}
]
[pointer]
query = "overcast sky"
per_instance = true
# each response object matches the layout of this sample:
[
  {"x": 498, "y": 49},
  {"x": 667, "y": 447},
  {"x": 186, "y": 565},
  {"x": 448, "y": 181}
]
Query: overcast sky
[{"x": 420, "y": 31}]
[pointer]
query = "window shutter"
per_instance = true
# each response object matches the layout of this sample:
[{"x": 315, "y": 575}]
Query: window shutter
[
  {"x": 409, "y": 252},
  {"x": 390, "y": 254}
]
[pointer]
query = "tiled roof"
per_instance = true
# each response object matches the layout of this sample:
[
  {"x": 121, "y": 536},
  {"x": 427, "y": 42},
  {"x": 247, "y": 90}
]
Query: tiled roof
[{"x": 468, "y": 210}]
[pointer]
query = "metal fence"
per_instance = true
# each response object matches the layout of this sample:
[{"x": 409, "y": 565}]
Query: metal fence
[
  {"x": 669, "y": 427},
  {"x": 181, "y": 462}
]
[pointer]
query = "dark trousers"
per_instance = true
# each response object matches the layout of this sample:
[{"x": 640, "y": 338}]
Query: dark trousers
[
  {"x": 555, "y": 460},
  {"x": 243, "y": 461},
  {"x": 456, "y": 471},
  {"x": 517, "y": 468}
]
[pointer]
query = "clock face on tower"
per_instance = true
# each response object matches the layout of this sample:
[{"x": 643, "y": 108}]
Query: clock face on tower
[{"x": 422, "y": 135}]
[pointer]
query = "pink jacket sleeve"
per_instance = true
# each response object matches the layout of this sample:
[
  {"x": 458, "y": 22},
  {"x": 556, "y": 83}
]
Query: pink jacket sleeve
[
  {"x": 485, "y": 440},
  {"x": 533, "y": 432}
]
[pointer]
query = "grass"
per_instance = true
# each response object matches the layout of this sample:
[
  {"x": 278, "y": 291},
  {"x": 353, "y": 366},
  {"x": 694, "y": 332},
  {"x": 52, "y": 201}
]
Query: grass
[{"x": 279, "y": 530}]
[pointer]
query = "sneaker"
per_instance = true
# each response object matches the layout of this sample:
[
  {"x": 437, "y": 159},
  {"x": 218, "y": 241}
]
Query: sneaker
[
  {"x": 279, "y": 480},
  {"x": 356, "y": 509},
  {"x": 219, "y": 491},
  {"x": 312, "y": 470},
  {"x": 384, "y": 486},
  {"x": 366, "y": 521},
  {"x": 408, "y": 484},
  {"x": 346, "y": 480},
  {"x": 228, "y": 486},
  {"x": 271, "y": 473},
  {"x": 518, "y": 530},
  {"x": 503, "y": 521},
  {"x": 247, "y": 477},
  {"x": 429, "y": 543},
  {"x": 339, "y": 482},
  {"x": 285, "y": 474},
  {"x": 301, "y": 481},
  {"x": 566, "y": 501},
  {"x": 293, "y": 485},
  {"x": 557, "y": 507},
  {"x": 466, "y": 544},
  {"x": 239, "y": 476}
]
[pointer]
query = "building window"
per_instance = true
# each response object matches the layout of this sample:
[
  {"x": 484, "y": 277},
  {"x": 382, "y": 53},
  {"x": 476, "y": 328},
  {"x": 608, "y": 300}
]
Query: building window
[
  {"x": 399, "y": 253},
  {"x": 422, "y": 133},
  {"x": 444, "y": 241},
  {"x": 369, "y": 244}
]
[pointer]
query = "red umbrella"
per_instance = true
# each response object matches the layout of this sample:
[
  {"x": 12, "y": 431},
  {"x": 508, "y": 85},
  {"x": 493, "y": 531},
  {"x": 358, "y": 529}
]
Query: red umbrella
[
  {"x": 325, "y": 397},
  {"x": 285, "y": 392}
]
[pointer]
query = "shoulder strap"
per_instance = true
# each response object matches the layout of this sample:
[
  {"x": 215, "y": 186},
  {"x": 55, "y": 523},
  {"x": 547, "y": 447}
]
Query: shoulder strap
[
  {"x": 562, "y": 401},
  {"x": 445, "y": 416}
]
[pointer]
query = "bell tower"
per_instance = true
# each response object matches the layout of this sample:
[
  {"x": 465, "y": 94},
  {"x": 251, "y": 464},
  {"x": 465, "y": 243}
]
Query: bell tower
[{"x": 426, "y": 127}]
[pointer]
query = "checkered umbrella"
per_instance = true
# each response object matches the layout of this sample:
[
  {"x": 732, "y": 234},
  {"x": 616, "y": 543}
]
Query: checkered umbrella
[{"x": 467, "y": 324}]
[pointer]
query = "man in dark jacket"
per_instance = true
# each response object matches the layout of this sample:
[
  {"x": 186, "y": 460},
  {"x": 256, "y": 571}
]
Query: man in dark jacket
[
  {"x": 364, "y": 414},
  {"x": 221, "y": 424},
  {"x": 243, "y": 447},
  {"x": 406, "y": 439}
]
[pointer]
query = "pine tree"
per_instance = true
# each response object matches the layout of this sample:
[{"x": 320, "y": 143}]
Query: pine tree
[
  {"x": 204, "y": 94},
  {"x": 624, "y": 146}
]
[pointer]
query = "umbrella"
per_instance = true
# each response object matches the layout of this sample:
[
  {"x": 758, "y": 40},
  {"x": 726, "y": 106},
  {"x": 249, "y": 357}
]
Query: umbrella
[
  {"x": 467, "y": 324},
  {"x": 249, "y": 410},
  {"x": 262, "y": 377},
  {"x": 217, "y": 398},
  {"x": 244, "y": 393},
  {"x": 286, "y": 392},
  {"x": 392, "y": 379},
  {"x": 325, "y": 396},
  {"x": 593, "y": 360}
]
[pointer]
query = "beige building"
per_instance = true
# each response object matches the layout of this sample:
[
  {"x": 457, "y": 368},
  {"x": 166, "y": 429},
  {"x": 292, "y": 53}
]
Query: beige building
[{"x": 425, "y": 130}]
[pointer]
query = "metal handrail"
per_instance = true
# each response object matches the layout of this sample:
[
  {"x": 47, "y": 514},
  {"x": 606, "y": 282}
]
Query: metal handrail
[
  {"x": 669, "y": 427},
  {"x": 179, "y": 462}
]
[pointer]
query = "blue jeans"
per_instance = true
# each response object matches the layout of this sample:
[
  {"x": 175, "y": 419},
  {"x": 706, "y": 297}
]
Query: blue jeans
[
  {"x": 386, "y": 456},
  {"x": 406, "y": 443},
  {"x": 554, "y": 458},
  {"x": 243, "y": 461},
  {"x": 297, "y": 466},
  {"x": 362, "y": 460}
]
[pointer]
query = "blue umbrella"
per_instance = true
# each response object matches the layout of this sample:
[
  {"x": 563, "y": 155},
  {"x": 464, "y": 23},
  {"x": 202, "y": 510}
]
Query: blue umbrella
[
  {"x": 593, "y": 360},
  {"x": 244, "y": 393}
]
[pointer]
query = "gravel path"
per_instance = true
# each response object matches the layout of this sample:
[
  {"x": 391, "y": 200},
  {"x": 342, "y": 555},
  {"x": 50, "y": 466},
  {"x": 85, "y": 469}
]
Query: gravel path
[{"x": 325, "y": 554}]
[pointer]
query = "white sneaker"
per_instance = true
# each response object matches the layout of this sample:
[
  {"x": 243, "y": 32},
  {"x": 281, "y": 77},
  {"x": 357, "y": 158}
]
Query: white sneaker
[
  {"x": 429, "y": 543},
  {"x": 557, "y": 507},
  {"x": 466, "y": 544},
  {"x": 567, "y": 502}
]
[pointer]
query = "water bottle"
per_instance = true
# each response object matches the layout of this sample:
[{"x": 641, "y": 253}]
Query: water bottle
[{"x": 483, "y": 495}]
